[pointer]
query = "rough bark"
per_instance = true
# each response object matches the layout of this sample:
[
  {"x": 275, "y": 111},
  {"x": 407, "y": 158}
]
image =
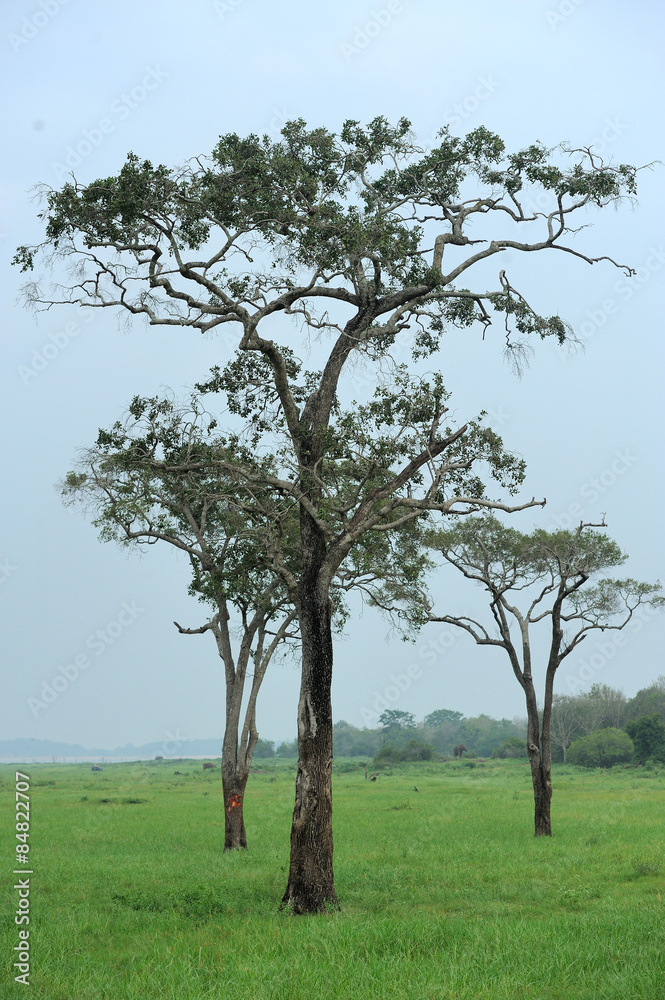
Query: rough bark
[
  {"x": 541, "y": 777},
  {"x": 540, "y": 759},
  {"x": 233, "y": 787},
  {"x": 310, "y": 887}
]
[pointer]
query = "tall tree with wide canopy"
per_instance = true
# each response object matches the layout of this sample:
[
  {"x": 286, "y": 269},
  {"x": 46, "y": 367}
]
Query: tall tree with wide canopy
[
  {"x": 358, "y": 236},
  {"x": 549, "y": 571}
]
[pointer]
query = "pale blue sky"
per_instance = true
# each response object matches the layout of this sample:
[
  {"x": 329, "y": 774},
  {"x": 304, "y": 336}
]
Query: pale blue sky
[{"x": 165, "y": 79}]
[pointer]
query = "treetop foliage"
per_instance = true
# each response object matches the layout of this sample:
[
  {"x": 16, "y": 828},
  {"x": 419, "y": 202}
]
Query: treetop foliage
[
  {"x": 560, "y": 562},
  {"x": 362, "y": 217},
  {"x": 394, "y": 718}
]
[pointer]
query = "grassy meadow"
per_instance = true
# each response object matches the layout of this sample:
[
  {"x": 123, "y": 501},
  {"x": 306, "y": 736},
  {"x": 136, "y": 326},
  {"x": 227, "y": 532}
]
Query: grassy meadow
[{"x": 445, "y": 892}]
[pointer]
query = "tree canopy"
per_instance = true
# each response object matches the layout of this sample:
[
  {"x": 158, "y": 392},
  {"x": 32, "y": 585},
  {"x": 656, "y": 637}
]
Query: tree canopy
[{"x": 364, "y": 218}]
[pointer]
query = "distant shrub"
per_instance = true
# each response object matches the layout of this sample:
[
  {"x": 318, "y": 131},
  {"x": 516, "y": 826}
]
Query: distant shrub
[
  {"x": 416, "y": 750},
  {"x": 512, "y": 747},
  {"x": 648, "y": 736},
  {"x": 603, "y": 748},
  {"x": 413, "y": 749},
  {"x": 387, "y": 755},
  {"x": 264, "y": 748}
]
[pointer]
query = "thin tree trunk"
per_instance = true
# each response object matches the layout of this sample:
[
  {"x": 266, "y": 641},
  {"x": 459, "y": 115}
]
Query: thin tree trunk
[
  {"x": 310, "y": 887},
  {"x": 233, "y": 786}
]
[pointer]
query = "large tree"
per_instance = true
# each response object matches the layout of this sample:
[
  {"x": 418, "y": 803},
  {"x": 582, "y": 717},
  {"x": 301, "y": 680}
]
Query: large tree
[
  {"x": 548, "y": 573},
  {"x": 358, "y": 236},
  {"x": 163, "y": 475}
]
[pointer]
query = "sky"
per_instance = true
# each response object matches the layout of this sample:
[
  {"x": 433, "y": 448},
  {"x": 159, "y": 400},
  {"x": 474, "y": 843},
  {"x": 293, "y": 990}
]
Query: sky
[{"x": 89, "y": 83}]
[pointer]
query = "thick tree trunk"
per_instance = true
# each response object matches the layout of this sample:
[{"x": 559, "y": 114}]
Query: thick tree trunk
[
  {"x": 540, "y": 759},
  {"x": 310, "y": 887},
  {"x": 233, "y": 786},
  {"x": 542, "y": 796}
]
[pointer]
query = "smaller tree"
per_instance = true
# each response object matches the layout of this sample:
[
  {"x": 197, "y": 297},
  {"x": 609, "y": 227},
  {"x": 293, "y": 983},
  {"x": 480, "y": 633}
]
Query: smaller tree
[
  {"x": 648, "y": 736},
  {"x": 565, "y": 724},
  {"x": 648, "y": 701},
  {"x": 602, "y": 748},
  {"x": 441, "y": 716},
  {"x": 484, "y": 734},
  {"x": 264, "y": 748},
  {"x": 549, "y": 572},
  {"x": 133, "y": 484},
  {"x": 393, "y": 718}
]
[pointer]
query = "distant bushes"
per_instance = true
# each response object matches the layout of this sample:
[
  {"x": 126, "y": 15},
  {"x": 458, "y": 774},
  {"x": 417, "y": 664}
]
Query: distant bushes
[
  {"x": 442, "y": 729},
  {"x": 287, "y": 749},
  {"x": 413, "y": 749},
  {"x": 648, "y": 736},
  {"x": 603, "y": 748},
  {"x": 264, "y": 748},
  {"x": 512, "y": 747}
]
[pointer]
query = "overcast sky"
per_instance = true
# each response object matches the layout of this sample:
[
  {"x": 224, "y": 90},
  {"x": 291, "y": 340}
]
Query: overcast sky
[{"x": 88, "y": 83}]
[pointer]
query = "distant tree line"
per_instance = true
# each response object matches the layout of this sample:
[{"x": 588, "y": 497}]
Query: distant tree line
[
  {"x": 595, "y": 729},
  {"x": 400, "y": 737}
]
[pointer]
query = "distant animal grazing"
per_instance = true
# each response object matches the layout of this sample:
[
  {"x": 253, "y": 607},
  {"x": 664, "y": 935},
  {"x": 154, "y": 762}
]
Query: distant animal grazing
[
  {"x": 458, "y": 751},
  {"x": 177, "y": 772},
  {"x": 96, "y": 767},
  {"x": 208, "y": 766}
]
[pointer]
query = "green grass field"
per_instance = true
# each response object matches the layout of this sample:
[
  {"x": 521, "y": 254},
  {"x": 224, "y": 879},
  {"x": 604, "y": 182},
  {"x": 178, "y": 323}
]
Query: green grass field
[{"x": 445, "y": 892}]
